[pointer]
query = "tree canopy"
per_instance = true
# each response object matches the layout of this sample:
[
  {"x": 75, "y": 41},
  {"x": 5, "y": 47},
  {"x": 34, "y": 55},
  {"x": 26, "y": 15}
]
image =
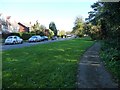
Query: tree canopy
[
  {"x": 106, "y": 16},
  {"x": 52, "y": 26},
  {"x": 38, "y": 28},
  {"x": 104, "y": 23},
  {"x": 78, "y": 26}
]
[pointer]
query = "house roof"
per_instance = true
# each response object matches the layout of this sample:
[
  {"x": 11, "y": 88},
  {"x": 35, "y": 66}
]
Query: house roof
[{"x": 22, "y": 25}]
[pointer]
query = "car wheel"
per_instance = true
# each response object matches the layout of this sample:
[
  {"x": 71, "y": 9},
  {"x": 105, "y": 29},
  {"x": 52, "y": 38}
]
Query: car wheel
[
  {"x": 14, "y": 42},
  {"x": 21, "y": 42}
]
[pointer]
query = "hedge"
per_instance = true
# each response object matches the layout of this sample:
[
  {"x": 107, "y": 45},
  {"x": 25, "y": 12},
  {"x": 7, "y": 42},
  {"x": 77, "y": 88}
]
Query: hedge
[
  {"x": 24, "y": 36},
  {"x": 4, "y": 35}
]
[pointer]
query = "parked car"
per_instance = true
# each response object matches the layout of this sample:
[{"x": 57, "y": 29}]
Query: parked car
[
  {"x": 54, "y": 38},
  {"x": 44, "y": 38},
  {"x": 35, "y": 38},
  {"x": 13, "y": 40}
]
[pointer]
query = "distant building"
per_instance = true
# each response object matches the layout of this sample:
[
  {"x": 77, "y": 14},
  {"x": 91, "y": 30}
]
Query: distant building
[
  {"x": 46, "y": 32},
  {"x": 23, "y": 28},
  {"x": 7, "y": 24}
]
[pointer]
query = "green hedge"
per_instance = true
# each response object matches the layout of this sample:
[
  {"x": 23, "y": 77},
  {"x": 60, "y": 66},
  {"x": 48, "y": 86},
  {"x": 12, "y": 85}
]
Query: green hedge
[
  {"x": 24, "y": 36},
  {"x": 4, "y": 35},
  {"x": 110, "y": 56}
]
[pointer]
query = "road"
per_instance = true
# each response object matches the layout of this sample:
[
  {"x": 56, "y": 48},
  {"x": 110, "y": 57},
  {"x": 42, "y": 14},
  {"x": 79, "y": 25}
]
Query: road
[{"x": 26, "y": 44}]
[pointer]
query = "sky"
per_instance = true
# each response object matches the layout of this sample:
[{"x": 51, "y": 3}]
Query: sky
[{"x": 62, "y": 12}]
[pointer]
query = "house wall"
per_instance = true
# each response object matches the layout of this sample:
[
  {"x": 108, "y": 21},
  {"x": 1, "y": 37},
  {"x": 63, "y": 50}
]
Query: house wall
[
  {"x": 46, "y": 32},
  {"x": 23, "y": 29}
]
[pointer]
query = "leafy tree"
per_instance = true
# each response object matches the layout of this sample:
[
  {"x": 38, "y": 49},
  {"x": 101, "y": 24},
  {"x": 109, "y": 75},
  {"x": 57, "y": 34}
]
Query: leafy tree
[
  {"x": 38, "y": 29},
  {"x": 62, "y": 32},
  {"x": 68, "y": 32},
  {"x": 51, "y": 33},
  {"x": 106, "y": 15},
  {"x": 52, "y": 26},
  {"x": 42, "y": 28},
  {"x": 78, "y": 26}
]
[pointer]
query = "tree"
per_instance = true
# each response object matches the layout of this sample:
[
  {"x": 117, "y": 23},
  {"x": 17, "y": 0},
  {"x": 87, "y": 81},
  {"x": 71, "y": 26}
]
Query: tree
[
  {"x": 51, "y": 33},
  {"x": 62, "y": 32},
  {"x": 68, "y": 32},
  {"x": 78, "y": 26},
  {"x": 106, "y": 15},
  {"x": 52, "y": 26},
  {"x": 38, "y": 29},
  {"x": 42, "y": 28}
]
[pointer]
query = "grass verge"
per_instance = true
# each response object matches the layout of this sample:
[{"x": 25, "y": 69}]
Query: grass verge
[{"x": 52, "y": 65}]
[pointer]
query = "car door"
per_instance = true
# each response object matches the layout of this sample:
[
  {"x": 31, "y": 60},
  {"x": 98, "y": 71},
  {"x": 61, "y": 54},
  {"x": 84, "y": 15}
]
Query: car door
[
  {"x": 38, "y": 38},
  {"x": 18, "y": 40},
  {"x": 15, "y": 40}
]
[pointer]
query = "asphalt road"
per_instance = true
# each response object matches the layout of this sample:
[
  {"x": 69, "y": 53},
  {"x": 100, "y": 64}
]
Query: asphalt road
[{"x": 26, "y": 44}]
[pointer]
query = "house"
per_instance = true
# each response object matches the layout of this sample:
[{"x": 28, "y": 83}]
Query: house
[
  {"x": 46, "y": 32},
  {"x": 4, "y": 24},
  {"x": 23, "y": 28},
  {"x": 7, "y": 24}
]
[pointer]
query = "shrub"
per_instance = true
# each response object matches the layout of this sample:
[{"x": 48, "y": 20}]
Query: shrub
[
  {"x": 16, "y": 34},
  {"x": 111, "y": 59},
  {"x": 26, "y": 36},
  {"x": 4, "y": 35}
]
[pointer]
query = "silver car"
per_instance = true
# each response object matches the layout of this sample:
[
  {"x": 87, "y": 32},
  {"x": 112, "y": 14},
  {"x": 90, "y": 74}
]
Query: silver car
[
  {"x": 13, "y": 40},
  {"x": 35, "y": 38}
]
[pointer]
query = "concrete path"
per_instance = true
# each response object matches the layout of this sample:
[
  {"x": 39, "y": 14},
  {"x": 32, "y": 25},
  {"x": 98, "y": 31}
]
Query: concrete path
[{"x": 91, "y": 72}]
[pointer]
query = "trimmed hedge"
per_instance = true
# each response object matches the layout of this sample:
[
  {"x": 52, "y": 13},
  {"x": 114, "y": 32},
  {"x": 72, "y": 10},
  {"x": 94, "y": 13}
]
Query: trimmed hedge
[
  {"x": 4, "y": 35},
  {"x": 24, "y": 36}
]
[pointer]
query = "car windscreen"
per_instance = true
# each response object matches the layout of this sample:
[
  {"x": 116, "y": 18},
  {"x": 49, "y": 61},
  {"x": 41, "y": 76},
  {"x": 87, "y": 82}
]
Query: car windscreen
[
  {"x": 33, "y": 37},
  {"x": 9, "y": 37}
]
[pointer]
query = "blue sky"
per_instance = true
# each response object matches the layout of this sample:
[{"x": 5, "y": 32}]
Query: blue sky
[{"x": 62, "y": 12}]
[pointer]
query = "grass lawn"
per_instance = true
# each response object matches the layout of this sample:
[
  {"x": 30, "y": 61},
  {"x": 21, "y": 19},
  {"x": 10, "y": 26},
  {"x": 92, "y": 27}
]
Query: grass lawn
[{"x": 52, "y": 65}]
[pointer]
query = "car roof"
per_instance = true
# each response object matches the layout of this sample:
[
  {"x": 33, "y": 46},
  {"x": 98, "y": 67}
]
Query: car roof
[
  {"x": 12, "y": 36},
  {"x": 37, "y": 35}
]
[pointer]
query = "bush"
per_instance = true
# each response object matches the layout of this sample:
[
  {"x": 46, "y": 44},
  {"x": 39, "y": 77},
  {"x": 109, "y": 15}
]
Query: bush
[
  {"x": 111, "y": 59},
  {"x": 26, "y": 36},
  {"x": 80, "y": 35},
  {"x": 4, "y": 35},
  {"x": 41, "y": 34},
  {"x": 16, "y": 34}
]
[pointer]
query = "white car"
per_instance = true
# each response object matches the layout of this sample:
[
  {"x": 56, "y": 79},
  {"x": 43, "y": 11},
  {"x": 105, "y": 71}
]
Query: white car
[
  {"x": 54, "y": 38},
  {"x": 35, "y": 38},
  {"x": 13, "y": 40},
  {"x": 44, "y": 38}
]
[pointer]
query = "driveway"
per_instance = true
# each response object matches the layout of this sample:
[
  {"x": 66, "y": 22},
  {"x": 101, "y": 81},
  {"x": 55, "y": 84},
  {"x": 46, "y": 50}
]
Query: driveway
[{"x": 26, "y": 44}]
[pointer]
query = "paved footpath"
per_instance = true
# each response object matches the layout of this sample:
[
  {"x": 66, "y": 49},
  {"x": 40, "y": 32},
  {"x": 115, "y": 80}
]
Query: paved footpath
[{"x": 92, "y": 73}]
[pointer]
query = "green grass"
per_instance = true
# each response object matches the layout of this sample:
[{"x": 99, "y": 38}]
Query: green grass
[
  {"x": 52, "y": 65},
  {"x": 111, "y": 60}
]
